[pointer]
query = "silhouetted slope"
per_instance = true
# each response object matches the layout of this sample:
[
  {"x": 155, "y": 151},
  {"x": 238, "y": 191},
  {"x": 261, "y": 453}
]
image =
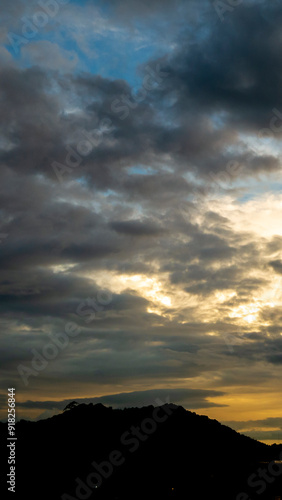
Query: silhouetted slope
[{"x": 153, "y": 451}]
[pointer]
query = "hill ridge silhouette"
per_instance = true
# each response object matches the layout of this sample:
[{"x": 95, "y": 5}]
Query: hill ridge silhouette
[{"x": 150, "y": 452}]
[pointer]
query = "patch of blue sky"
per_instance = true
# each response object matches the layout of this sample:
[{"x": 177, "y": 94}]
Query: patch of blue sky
[
  {"x": 141, "y": 170},
  {"x": 121, "y": 55},
  {"x": 193, "y": 177},
  {"x": 260, "y": 187},
  {"x": 101, "y": 47},
  {"x": 82, "y": 181},
  {"x": 110, "y": 192},
  {"x": 219, "y": 119},
  {"x": 269, "y": 145},
  {"x": 22, "y": 43},
  {"x": 245, "y": 198}
]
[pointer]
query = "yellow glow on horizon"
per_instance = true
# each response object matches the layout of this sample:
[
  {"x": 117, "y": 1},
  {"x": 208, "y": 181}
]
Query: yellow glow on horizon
[{"x": 214, "y": 311}]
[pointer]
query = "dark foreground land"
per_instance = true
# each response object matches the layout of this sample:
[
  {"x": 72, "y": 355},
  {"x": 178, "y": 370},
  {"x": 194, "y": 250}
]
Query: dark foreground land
[{"x": 91, "y": 452}]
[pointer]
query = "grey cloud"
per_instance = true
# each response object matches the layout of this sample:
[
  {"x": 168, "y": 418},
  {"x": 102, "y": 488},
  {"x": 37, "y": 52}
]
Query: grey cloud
[
  {"x": 136, "y": 228},
  {"x": 190, "y": 398},
  {"x": 130, "y": 206},
  {"x": 276, "y": 265},
  {"x": 251, "y": 428}
]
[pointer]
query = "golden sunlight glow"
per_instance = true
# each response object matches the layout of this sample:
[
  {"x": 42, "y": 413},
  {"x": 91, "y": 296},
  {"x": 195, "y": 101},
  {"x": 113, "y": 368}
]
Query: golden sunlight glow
[
  {"x": 261, "y": 216},
  {"x": 248, "y": 313},
  {"x": 169, "y": 302},
  {"x": 61, "y": 268},
  {"x": 269, "y": 297},
  {"x": 223, "y": 297},
  {"x": 149, "y": 288}
]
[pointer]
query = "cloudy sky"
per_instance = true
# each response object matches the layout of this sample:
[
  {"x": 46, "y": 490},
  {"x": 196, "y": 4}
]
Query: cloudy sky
[{"x": 141, "y": 204}]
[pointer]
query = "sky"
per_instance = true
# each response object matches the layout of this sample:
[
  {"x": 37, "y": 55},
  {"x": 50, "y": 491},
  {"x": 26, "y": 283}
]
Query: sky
[{"x": 141, "y": 204}]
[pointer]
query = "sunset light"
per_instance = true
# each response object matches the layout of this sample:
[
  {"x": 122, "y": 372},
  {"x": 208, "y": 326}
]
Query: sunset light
[{"x": 141, "y": 247}]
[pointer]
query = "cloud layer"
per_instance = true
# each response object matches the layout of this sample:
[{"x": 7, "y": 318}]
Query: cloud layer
[{"x": 152, "y": 176}]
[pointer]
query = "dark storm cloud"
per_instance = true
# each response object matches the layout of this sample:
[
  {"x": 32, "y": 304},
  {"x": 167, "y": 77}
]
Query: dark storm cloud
[
  {"x": 275, "y": 358},
  {"x": 223, "y": 76},
  {"x": 55, "y": 295},
  {"x": 136, "y": 228},
  {"x": 200, "y": 82},
  {"x": 260, "y": 348},
  {"x": 189, "y": 398},
  {"x": 206, "y": 75},
  {"x": 128, "y": 207},
  {"x": 127, "y": 11},
  {"x": 31, "y": 119},
  {"x": 277, "y": 266}
]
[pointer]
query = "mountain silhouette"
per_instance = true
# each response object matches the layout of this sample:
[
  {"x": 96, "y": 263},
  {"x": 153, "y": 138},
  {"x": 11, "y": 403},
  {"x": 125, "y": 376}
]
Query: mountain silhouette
[{"x": 92, "y": 451}]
